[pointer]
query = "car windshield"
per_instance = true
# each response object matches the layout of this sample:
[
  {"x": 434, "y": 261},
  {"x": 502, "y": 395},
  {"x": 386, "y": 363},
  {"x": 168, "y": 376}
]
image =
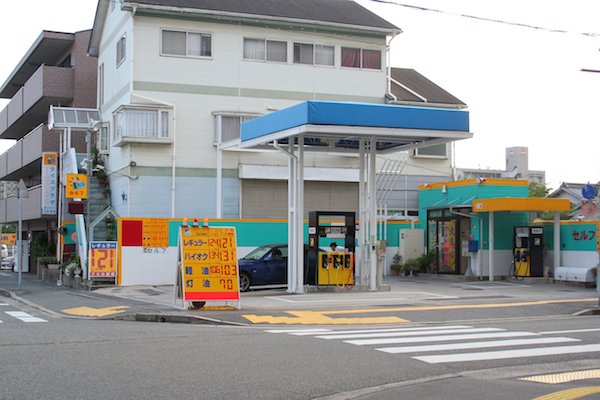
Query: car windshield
[{"x": 258, "y": 253}]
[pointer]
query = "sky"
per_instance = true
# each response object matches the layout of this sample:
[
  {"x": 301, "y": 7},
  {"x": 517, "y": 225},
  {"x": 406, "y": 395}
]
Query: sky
[{"x": 523, "y": 85}]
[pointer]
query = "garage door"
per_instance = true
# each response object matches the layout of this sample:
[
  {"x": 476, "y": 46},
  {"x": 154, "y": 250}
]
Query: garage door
[{"x": 264, "y": 199}]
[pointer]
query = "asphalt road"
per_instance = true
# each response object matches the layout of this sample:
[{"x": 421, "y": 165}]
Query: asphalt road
[{"x": 486, "y": 338}]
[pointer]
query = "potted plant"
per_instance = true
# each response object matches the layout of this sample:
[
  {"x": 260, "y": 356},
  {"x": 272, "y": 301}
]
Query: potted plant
[
  {"x": 409, "y": 266},
  {"x": 396, "y": 264},
  {"x": 426, "y": 262}
]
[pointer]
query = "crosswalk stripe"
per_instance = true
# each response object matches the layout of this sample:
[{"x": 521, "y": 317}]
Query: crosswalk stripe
[
  {"x": 502, "y": 355},
  {"x": 299, "y": 331},
  {"x": 426, "y": 328},
  {"x": 25, "y": 317},
  {"x": 475, "y": 345},
  {"x": 362, "y": 342},
  {"x": 413, "y": 333}
]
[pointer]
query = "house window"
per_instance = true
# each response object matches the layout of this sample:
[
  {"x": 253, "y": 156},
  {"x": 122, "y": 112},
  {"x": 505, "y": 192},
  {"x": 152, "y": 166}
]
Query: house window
[
  {"x": 303, "y": 53},
  {"x": 229, "y": 127},
  {"x": 138, "y": 124},
  {"x": 324, "y": 55},
  {"x": 186, "y": 44},
  {"x": 361, "y": 58},
  {"x": 103, "y": 139},
  {"x": 121, "y": 50},
  {"x": 313, "y": 54},
  {"x": 261, "y": 49}
]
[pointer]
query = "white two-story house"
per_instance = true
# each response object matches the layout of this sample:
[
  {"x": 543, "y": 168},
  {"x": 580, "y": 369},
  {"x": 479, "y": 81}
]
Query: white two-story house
[{"x": 178, "y": 77}]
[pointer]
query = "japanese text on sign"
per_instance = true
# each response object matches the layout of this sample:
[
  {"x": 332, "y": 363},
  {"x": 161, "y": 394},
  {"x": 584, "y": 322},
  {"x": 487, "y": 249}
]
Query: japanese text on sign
[
  {"x": 584, "y": 235},
  {"x": 103, "y": 259},
  {"x": 209, "y": 263},
  {"x": 77, "y": 186},
  {"x": 155, "y": 233}
]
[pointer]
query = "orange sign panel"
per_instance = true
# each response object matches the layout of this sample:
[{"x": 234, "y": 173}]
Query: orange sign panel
[
  {"x": 103, "y": 259},
  {"x": 77, "y": 186},
  {"x": 209, "y": 264}
]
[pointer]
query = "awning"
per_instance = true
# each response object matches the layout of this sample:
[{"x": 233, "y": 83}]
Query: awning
[
  {"x": 337, "y": 126},
  {"x": 521, "y": 204}
]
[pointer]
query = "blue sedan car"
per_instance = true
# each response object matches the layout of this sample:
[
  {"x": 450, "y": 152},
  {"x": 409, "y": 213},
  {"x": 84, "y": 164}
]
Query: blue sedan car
[{"x": 267, "y": 265}]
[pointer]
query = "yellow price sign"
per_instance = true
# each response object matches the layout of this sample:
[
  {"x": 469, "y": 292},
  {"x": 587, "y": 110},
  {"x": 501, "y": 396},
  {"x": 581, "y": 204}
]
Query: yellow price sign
[
  {"x": 103, "y": 259},
  {"x": 209, "y": 264}
]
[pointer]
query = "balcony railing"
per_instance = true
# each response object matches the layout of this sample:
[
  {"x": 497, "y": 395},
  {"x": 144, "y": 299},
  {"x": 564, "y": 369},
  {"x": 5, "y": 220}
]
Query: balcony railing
[
  {"x": 32, "y": 207},
  {"x": 27, "y": 151},
  {"x": 48, "y": 85}
]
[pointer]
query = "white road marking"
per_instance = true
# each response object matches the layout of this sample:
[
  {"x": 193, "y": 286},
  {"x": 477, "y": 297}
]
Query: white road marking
[
  {"x": 475, "y": 345},
  {"x": 413, "y": 333},
  {"x": 570, "y": 331},
  {"x": 362, "y": 342},
  {"x": 299, "y": 331},
  {"x": 25, "y": 317},
  {"x": 399, "y": 330},
  {"x": 502, "y": 355}
]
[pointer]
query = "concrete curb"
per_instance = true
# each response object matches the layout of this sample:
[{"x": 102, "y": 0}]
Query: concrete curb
[{"x": 173, "y": 318}]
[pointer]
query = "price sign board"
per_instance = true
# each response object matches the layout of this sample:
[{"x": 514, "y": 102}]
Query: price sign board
[
  {"x": 155, "y": 233},
  {"x": 209, "y": 268},
  {"x": 103, "y": 259}
]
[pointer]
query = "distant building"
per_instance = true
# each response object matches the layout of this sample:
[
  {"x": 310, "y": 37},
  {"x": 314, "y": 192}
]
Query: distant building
[
  {"x": 7, "y": 189},
  {"x": 517, "y": 167},
  {"x": 573, "y": 192}
]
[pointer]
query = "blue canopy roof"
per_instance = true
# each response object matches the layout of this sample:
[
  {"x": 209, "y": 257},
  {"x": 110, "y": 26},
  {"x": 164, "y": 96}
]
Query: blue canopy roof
[{"x": 342, "y": 125}]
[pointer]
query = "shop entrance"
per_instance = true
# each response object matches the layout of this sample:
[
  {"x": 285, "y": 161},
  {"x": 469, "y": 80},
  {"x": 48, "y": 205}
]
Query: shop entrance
[{"x": 445, "y": 233}]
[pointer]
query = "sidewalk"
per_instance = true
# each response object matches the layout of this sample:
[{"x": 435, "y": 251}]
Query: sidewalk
[{"x": 396, "y": 291}]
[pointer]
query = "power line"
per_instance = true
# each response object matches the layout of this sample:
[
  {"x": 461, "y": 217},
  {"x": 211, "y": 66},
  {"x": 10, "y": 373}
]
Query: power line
[{"x": 589, "y": 34}]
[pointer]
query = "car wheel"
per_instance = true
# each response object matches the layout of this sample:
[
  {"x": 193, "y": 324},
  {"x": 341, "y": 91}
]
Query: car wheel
[{"x": 244, "y": 282}]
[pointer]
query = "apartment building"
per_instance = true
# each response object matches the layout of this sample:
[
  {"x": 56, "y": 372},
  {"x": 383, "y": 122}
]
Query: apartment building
[
  {"x": 55, "y": 70},
  {"x": 177, "y": 78}
]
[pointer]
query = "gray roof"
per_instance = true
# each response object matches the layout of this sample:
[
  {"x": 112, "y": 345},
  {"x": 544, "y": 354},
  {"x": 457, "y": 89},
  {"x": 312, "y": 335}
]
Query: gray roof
[
  {"x": 345, "y": 12},
  {"x": 412, "y": 87}
]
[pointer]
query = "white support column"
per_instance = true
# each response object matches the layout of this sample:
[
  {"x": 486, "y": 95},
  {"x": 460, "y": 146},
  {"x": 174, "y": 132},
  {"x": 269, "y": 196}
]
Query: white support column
[
  {"x": 557, "y": 240},
  {"x": 292, "y": 230},
  {"x": 300, "y": 217},
  {"x": 361, "y": 253},
  {"x": 373, "y": 216},
  {"x": 219, "y": 168},
  {"x": 491, "y": 246}
]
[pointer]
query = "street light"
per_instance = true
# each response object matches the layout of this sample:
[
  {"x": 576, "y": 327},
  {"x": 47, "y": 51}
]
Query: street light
[{"x": 21, "y": 194}]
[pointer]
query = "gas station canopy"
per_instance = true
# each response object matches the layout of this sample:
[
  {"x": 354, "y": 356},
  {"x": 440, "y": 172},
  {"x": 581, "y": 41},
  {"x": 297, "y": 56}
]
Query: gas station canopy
[
  {"x": 335, "y": 126},
  {"x": 521, "y": 204},
  {"x": 345, "y": 128}
]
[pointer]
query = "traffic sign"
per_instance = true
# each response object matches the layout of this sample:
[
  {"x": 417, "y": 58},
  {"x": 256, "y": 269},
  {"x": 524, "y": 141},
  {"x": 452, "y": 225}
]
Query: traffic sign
[{"x": 588, "y": 192}]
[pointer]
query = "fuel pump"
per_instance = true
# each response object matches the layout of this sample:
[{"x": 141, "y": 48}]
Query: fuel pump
[
  {"x": 528, "y": 251},
  {"x": 332, "y": 267}
]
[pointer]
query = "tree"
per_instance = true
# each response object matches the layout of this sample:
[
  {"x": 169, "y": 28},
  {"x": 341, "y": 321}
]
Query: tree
[
  {"x": 10, "y": 228},
  {"x": 540, "y": 191},
  {"x": 537, "y": 190}
]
